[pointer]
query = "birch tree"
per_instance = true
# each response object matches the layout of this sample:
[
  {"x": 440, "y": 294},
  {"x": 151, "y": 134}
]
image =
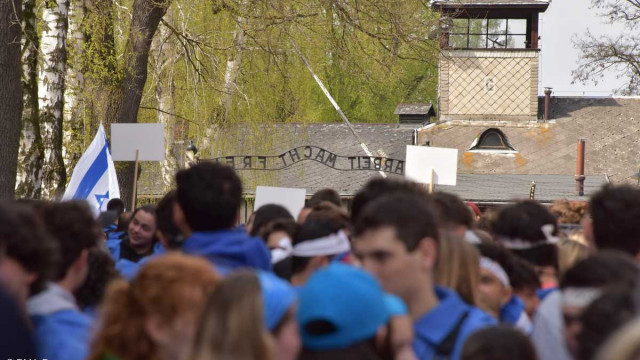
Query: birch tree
[
  {"x": 51, "y": 93},
  {"x": 10, "y": 94},
  {"x": 30, "y": 158}
]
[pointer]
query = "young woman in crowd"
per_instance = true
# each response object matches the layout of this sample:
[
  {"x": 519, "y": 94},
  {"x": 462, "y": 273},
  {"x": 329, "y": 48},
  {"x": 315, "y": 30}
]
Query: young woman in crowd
[
  {"x": 139, "y": 242},
  {"x": 250, "y": 316},
  {"x": 459, "y": 267},
  {"x": 154, "y": 316}
]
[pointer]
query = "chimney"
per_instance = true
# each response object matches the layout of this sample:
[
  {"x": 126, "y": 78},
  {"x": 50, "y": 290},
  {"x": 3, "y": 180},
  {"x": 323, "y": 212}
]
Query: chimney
[
  {"x": 580, "y": 167},
  {"x": 547, "y": 103}
]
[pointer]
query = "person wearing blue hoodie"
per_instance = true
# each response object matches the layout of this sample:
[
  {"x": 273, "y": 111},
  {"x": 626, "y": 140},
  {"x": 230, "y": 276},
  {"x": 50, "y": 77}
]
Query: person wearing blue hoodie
[
  {"x": 495, "y": 289},
  {"x": 139, "y": 242},
  {"x": 207, "y": 211},
  {"x": 396, "y": 239},
  {"x": 61, "y": 330}
]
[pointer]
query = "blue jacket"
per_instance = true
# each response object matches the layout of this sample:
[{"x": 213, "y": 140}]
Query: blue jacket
[
  {"x": 450, "y": 315},
  {"x": 229, "y": 249},
  {"x": 61, "y": 331},
  {"x": 513, "y": 314},
  {"x": 125, "y": 267}
]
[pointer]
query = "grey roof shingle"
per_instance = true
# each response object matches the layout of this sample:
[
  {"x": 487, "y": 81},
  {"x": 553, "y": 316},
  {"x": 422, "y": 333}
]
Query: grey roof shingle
[{"x": 414, "y": 109}]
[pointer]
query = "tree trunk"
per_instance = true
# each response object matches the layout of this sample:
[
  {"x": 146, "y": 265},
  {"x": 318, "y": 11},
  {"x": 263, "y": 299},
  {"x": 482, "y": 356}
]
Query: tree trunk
[
  {"x": 51, "y": 90},
  {"x": 233, "y": 67},
  {"x": 10, "y": 94},
  {"x": 31, "y": 155},
  {"x": 72, "y": 142},
  {"x": 144, "y": 23},
  {"x": 166, "y": 57}
]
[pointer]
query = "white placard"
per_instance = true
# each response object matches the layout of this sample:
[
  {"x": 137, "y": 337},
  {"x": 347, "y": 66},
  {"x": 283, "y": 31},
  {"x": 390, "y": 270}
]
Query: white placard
[
  {"x": 291, "y": 199},
  {"x": 148, "y": 138},
  {"x": 421, "y": 159}
]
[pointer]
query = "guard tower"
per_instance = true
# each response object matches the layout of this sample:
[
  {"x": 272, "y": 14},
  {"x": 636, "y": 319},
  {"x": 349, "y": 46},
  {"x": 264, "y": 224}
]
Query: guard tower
[{"x": 489, "y": 59}]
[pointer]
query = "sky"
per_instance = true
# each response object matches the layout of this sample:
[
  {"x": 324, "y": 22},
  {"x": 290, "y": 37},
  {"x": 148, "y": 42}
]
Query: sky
[{"x": 563, "y": 20}]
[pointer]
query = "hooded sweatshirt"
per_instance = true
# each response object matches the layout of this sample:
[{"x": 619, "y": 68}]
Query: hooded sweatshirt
[
  {"x": 229, "y": 249},
  {"x": 61, "y": 331}
]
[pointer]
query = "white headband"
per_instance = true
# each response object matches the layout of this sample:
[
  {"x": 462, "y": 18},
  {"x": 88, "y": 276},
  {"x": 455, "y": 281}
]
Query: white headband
[
  {"x": 579, "y": 296},
  {"x": 333, "y": 244},
  {"x": 495, "y": 268},
  {"x": 283, "y": 250},
  {"x": 519, "y": 244}
]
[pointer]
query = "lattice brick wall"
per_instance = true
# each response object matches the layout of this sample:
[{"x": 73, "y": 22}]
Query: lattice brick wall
[{"x": 490, "y": 85}]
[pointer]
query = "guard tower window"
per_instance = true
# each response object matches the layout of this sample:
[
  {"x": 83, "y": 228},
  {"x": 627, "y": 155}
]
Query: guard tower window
[
  {"x": 492, "y": 139},
  {"x": 488, "y": 34}
]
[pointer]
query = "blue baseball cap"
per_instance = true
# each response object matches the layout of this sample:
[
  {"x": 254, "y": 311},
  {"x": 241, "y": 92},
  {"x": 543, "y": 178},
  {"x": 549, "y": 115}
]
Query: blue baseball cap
[
  {"x": 277, "y": 298},
  {"x": 349, "y": 302}
]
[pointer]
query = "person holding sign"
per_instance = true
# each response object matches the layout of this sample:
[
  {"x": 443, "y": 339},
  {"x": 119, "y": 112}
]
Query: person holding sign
[{"x": 208, "y": 209}]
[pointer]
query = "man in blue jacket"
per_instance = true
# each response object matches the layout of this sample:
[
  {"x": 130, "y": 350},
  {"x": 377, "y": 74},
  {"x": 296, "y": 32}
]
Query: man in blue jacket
[
  {"x": 208, "y": 209},
  {"x": 61, "y": 330},
  {"x": 396, "y": 239}
]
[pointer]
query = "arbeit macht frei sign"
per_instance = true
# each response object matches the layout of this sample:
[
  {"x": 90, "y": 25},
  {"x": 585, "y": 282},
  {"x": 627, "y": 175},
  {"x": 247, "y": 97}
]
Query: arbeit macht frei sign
[{"x": 313, "y": 153}]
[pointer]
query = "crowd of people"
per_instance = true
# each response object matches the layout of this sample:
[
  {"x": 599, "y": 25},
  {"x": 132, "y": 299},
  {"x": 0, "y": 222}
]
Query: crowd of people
[{"x": 402, "y": 274}]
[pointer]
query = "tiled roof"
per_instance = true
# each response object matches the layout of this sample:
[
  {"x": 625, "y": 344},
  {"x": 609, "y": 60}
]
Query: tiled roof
[
  {"x": 414, "y": 109},
  {"x": 546, "y": 152},
  {"x": 610, "y": 126}
]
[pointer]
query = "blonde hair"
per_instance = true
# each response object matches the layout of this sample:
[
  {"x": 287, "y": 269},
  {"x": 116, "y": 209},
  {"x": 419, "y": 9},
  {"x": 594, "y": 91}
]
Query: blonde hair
[
  {"x": 569, "y": 253},
  {"x": 458, "y": 267},
  {"x": 232, "y": 325},
  {"x": 167, "y": 287}
]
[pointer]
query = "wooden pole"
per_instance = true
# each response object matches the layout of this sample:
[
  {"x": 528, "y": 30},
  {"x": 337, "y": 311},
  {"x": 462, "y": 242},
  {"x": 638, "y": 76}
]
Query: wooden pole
[
  {"x": 431, "y": 176},
  {"x": 135, "y": 182}
]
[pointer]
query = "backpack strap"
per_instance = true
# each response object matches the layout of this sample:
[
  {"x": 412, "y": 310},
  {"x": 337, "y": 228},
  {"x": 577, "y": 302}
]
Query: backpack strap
[{"x": 445, "y": 348}]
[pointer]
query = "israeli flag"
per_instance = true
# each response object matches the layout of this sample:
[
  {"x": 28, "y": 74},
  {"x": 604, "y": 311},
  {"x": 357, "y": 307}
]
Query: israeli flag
[{"x": 94, "y": 177}]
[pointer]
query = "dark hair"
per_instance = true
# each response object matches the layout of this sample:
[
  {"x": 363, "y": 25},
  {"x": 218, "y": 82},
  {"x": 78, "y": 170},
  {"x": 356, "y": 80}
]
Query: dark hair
[
  {"x": 363, "y": 350},
  {"x": 74, "y": 228},
  {"x": 311, "y": 229},
  {"x": 410, "y": 216},
  {"x": 524, "y": 221},
  {"x": 164, "y": 220},
  {"x": 289, "y": 226},
  {"x": 329, "y": 211},
  {"x": 378, "y": 187},
  {"x": 116, "y": 205},
  {"x": 602, "y": 318},
  {"x": 523, "y": 275},
  {"x": 102, "y": 269},
  {"x": 323, "y": 195},
  {"x": 266, "y": 214},
  {"x": 209, "y": 194},
  {"x": 498, "y": 343},
  {"x": 450, "y": 210},
  {"x": 24, "y": 239},
  {"x": 615, "y": 211},
  {"x": 123, "y": 221},
  {"x": 602, "y": 269}
]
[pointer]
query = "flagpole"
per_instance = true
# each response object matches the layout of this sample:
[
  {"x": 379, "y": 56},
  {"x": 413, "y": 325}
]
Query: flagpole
[{"x": 135, "y": 183}]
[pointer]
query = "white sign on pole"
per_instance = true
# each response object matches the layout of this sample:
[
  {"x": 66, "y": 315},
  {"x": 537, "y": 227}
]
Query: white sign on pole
[
  {"x": 290, "y": 198},
  {"x": 421, "y": 159},
  {"x": 147, "y": 138}
]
